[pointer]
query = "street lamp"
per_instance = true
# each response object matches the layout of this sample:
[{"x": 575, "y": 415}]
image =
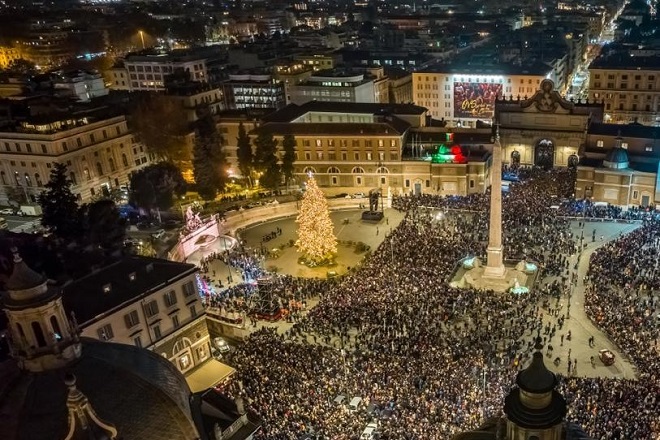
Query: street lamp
[{"x": 142, "y": 38}]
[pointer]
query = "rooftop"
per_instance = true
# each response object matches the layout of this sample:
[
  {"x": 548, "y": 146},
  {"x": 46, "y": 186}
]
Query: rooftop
[
  {"x": 624, "y": 61},
  {"x": 391, "y": 128},
  {"x": 125, "y": 281},
  {"x": 294, "y": 111},
  {"x": 470, "y": 68},
  {"x": 637, "y": 131}
]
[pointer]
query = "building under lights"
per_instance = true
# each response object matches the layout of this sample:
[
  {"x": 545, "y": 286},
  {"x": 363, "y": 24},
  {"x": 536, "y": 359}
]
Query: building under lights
[{"x": 463, "y": 95}]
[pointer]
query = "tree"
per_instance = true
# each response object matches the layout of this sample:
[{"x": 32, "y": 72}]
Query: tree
[
  {"x": 103, "y": 226},
  {"x": 209, "y": 162},
  {"x": 161, "y": 126},
  {"x": 156, "y": 185},
  {"x": 59, "y": 205},
  {"x": 22, "y": 67},
  {"x": 265, "y": 158},
  {"x": 316, "y": 237},
  {"x": 289, "y": 147},
  {"x": 245, "y": 156}
]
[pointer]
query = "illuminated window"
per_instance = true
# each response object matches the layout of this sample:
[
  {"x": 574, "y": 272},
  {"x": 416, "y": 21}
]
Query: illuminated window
[{"x": 600, "y": 143}]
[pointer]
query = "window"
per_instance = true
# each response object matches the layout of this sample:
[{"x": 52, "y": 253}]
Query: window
[
  {"x": 86, "y": 174},
  {"x": 99, "y": 168},
  {"x": 648, "y": 148},
  {"x": 318, "y": 142},
  {"x": 137, "y": 341},
  {"x": 368, "y": 156},
  {"x": 44, "y": 150},
  {"x": 331, "y": 143},
  {"x": 308, "y": 155},
  {"x": 407, "y": 183},
  {"x": 356, "y": 156},
  {"x": 132, "y": 319},
  {"x": 334, "y": 180},
  {"x": 79, "y": 142},
  {"x": 111, "y": 161},
  {"x": 344, "y": 156},
  {"x": 305, "y": 142},
  {"x": 600, "y": 143},
  {"x": 188, "y": 289},
  {"x": 72, "y": 177},
  {"x": 151, "y": 309},
  {"x": 355, "y": 143},
  {"x": 157, "y": 333},
  {"x": 105, "y": 333},
  {"x": 624, "y": 145},
  {"x": 193, "y": 311},
  {"x": 634, "y": 195},
  {"x": 170, "y": 298},
  {"x": 333, "y": 170},
  {"x": 319, "y": 155},
  {"x": 175, "y": 321},
  {"x": 471, "y": 183}
]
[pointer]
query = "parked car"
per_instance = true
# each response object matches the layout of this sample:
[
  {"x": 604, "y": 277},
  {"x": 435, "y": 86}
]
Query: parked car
[
  {"x": 342, "y": 196},
  {"x": 158, "y": 234},
  {"x": 359, "y": 195},
  {"x": 132, "y": 241},
  {"x": 606, "y": 356},
  {"x": 7, "y": 211},
  {"x": 221, "y": 344}
]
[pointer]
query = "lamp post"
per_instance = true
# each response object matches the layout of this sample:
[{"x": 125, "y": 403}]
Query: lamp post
[{"x": 142, "y": 38}]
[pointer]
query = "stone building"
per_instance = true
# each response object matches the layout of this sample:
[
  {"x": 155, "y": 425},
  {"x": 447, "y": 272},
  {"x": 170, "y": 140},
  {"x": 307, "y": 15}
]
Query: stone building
[
  {"x": 58, "y": 385},
  {"x": 545, "y": 130}
]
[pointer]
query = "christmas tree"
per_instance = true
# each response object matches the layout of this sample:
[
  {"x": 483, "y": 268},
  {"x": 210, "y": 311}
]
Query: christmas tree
[{"x": 316, "y": 238}]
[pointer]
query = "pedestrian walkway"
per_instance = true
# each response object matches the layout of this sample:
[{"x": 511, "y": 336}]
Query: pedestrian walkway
[{"x": 579, "y": 324}]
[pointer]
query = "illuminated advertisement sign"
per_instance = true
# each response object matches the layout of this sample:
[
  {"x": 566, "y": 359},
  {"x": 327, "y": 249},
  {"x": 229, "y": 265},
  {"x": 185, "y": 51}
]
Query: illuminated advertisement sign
[{"x": 475, "y": 99}]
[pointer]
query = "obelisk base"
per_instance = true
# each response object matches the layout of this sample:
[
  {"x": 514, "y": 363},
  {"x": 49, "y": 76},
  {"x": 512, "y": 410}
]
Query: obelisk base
[{"x": 494, "y": 263}]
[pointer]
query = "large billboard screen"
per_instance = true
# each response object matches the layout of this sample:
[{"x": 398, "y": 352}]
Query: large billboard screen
[{"x": 475, "y": 99}]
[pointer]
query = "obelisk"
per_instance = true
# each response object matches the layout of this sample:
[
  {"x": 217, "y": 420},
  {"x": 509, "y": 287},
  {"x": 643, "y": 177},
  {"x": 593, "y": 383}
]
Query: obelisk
[{"x": 495, "y": 260}]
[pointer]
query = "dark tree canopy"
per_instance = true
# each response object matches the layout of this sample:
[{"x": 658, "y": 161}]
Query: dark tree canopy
[
  {"x": 156, "y": 185},
  {"x": 161, "y": 126},
  {"x": 209, "y": 162},
  {"x": 245, "y": 156},
  {"x": 266, "y": 160},
  {"x": 103, "y": 226},
  {"x": 60, "y": 205},
  {"x": 289, "y": 156}
]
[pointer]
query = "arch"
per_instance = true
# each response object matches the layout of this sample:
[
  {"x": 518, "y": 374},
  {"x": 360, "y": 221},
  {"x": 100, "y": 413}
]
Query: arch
[
  {"x": 357, "y": 170},
  {"x": 111, "y": 162},
  {"x": 99, "y": 168},
  {"x": 544, "y": 154},
  {"x": 515, "y": 158},
  {"x": 124, "y": 159},
  {"x": 37, "y": 180},
  {"x": 180, "y": 345},
  {"x": 55, "y": 326},
  {"x": 38, "y": 334},
  {"x": 333, "y": 170},
  {"x": 382, "y": 170},
  {"x": 309, "y": 170}
]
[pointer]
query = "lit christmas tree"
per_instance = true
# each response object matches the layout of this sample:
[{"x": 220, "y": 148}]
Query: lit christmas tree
[{"x": 316, "y": 237}]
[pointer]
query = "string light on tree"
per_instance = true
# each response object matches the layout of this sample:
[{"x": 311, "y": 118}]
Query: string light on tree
[{"x": 316, "y": 239}]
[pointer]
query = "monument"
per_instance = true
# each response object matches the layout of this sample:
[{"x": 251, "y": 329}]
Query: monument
[
  {"x": 497, "y": 275},
  {"x": 495, "y": 258}
]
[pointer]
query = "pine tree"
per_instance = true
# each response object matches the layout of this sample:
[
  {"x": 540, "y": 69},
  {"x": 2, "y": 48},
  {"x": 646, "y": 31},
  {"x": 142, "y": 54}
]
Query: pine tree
[
  {"x": 209, "y": 163},
  {"x": 59, "y": 205},
  {"x": 244, "y": 152},
  {"x": 265, "y": 158},
  {"x": 289, "y": 147},
  {"x": 316, "y": 238}
]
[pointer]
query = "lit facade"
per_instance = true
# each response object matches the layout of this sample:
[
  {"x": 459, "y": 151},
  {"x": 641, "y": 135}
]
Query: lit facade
[
  {"x": 629, "y": 87},
  {"x": 358, "y": 147},
  {"x": 462, "y": 98},
  {"x": 259, "y": 91},
  {"x": 146, "y": 302},
  {"x": 100, "y": 155}
]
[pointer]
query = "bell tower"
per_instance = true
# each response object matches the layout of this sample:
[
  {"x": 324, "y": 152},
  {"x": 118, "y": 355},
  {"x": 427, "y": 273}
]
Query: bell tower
[
  {"x": 534, "y": 409},
  {"x": 42, "y": 338}
]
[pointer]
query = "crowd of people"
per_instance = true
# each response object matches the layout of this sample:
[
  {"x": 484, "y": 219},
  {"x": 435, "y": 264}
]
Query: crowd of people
[
  {"x": 429, "y": 360},
  {"x": 592, "y": 210}
]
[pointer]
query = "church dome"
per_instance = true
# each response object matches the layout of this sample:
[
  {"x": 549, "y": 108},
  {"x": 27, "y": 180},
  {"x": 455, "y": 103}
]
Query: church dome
[
  {"x": 140, "y": 393},
  {"x": 617, "y": 158}
]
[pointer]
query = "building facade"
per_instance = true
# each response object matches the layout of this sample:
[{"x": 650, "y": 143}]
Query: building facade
[
  {"x": 359, "y": 147},
  {"x": 619, "y": 165},
  {"x": 463, "y": 95},
  {"x": 99, "y": 151},
  {"x": 629, "y": 86},
  {"x": 340, "y": 86},
  {"x": 253, "y": 91},
  {"x": 145, "y": 302},
  {"x": 544, "y": 130}
]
